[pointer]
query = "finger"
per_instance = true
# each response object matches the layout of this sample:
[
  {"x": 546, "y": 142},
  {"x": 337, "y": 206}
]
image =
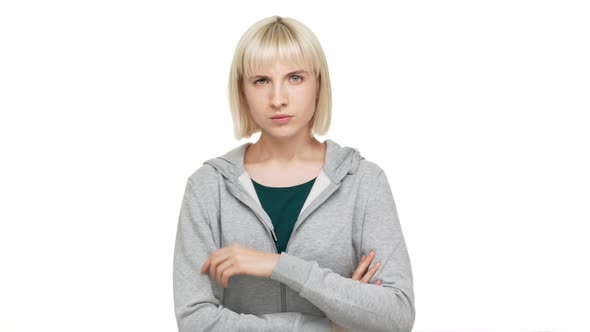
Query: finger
[
  {"x": 218, "y": 257},
  {"x": 367, "y": 277},
  {"x": 205, "y": 265},
  {"x": 360, "y": 269},
  {"x": 362, "y": 266},
  {"x": 226, "y": 274},
  {"x": 379, "y": 282},
  {"x": 221, "y": 269},
  {"x": 369, "y": 258}
]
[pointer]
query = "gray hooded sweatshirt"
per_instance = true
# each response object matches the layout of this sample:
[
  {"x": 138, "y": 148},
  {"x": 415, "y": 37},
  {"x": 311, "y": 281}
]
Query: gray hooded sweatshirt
[{"x": 349, "y": 212}]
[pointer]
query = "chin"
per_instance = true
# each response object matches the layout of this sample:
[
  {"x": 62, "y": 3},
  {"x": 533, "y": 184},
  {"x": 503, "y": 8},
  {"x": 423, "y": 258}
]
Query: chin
[{"x": 283, "y": 132}]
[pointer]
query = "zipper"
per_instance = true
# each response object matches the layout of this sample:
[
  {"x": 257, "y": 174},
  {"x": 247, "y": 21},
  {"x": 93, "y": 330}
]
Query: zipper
[
  {"x": 283, "y": 297},
  {"x": 274, "y": 245},
  {"x": 271, "y": 231},
  {"x": 319, "y": 200}
]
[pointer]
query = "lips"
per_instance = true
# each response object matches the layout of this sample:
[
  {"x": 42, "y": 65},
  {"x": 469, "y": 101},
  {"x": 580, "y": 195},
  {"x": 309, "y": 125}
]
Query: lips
[{"x": 281, "y": 116}]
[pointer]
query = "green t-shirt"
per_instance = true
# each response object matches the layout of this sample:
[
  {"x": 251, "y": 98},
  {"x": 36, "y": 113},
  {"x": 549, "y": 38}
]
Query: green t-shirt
[{"x": 283, "y": 204}]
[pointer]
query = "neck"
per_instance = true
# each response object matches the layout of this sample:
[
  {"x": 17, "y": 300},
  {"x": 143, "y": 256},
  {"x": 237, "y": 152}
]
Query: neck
[{"x": 289, "y": 151}]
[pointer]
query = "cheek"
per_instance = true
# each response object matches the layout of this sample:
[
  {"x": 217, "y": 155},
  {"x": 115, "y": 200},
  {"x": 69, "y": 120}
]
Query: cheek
[
  {"x": 306, "y": 94},
  {"x": 253, "y": 99},
  {"x": 309, "y": 97}
]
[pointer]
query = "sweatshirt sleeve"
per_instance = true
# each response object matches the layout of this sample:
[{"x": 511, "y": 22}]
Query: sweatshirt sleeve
[
  {"x": 350, "y": 303},
  {"x": 196, "y": 307}
]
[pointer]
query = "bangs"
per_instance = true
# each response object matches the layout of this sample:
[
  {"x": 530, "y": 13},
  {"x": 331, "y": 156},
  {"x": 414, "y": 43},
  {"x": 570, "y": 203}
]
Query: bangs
[{"x": 277, "y": 43}]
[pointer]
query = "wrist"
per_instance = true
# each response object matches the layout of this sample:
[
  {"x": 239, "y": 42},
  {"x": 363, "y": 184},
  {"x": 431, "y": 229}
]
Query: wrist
[{"x": 273, "y": 261}]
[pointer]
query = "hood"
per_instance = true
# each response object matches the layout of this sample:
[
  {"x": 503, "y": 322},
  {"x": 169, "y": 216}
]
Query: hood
[{"x": 339, "y": 161}]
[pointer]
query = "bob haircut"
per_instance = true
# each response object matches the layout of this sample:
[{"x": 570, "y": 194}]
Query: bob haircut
[{"x": 281, "y": 39}]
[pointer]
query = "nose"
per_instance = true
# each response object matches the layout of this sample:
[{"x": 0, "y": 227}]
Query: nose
[{"x": 279, "y": 96}]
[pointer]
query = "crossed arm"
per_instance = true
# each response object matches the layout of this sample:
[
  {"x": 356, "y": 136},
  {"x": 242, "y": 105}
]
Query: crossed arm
[
  {"x": 196, "y": 307},
  {"x": 349, "y": 303}
]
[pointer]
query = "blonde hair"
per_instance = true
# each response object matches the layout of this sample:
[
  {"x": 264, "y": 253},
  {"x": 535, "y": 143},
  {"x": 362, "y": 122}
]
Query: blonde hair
[{"x": 268, "y": 40}]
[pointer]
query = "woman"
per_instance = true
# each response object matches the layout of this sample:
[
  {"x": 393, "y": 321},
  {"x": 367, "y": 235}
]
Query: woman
[{"x": 279, "y": 235}]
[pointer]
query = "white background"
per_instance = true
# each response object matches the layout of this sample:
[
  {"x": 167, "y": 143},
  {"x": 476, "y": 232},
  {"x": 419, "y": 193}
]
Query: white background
[{"x": 479, "y": 112}]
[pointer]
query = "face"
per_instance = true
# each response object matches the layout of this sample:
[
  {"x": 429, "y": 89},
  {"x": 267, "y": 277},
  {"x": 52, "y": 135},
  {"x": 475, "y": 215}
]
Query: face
[{"x": 282, "y": 90}]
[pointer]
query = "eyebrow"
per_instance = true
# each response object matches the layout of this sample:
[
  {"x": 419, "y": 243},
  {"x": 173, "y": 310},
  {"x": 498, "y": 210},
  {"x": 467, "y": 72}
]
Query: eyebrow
[{"x": 301, "y": 71}]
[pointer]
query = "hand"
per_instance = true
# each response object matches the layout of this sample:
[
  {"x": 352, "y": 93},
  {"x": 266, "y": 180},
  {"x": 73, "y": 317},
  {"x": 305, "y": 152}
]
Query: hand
[
  {"x": 356, "y": 275},
  {"x": 363, "y": 265},
  {"x": 238, "y": 259}
]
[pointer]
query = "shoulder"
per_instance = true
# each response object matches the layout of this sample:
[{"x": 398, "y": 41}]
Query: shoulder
[
  {"x": 203, "y": 172},
  {"x": 359, "y": 166},
  {"x": 369, "y": 169},
  {"x": 204, "y": 177},
  {"x": 372, "y": 177}
]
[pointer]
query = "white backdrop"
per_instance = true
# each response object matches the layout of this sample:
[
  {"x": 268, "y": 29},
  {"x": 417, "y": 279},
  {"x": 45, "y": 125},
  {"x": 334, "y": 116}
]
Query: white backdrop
[{"x": 479, "y": 112}]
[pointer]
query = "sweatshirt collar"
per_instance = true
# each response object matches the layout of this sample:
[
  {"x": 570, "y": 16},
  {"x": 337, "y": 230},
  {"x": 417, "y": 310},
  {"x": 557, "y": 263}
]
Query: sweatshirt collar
[{"x": 340, "y": 160}]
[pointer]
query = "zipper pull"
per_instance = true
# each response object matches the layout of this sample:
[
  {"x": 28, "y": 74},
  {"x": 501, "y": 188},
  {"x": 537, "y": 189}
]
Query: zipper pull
[{"x": 273, "y": 235}]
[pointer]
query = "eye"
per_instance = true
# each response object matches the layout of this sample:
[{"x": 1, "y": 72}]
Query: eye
[
  {"x": 300, "y": 78},
  {"x": 256, "y": 82}
]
